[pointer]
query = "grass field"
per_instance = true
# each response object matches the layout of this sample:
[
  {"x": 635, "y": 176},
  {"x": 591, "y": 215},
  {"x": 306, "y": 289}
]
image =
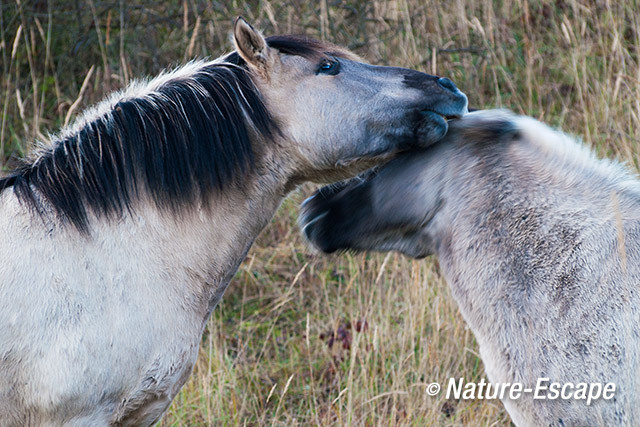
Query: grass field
[{"x": 301, "y": 338}]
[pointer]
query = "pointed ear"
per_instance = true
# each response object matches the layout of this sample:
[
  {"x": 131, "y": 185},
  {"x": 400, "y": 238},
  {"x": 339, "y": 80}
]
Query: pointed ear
[{"x": 250, "y": 44}]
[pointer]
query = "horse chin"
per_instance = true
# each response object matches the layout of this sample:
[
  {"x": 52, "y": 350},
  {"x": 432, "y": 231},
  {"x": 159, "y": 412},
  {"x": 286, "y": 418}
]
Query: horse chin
[
  {"x": 347, "y": 169},
  {"x": 431, "y": 129}
]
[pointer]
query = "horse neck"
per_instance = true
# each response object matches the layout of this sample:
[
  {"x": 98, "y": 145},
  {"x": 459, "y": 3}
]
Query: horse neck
[
  {"x": 195, "y": 253},
  {"x": 541, "y": 218}
]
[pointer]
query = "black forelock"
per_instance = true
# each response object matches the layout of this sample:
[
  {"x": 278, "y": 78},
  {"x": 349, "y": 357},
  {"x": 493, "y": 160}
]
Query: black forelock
[
  {"x": 297, "y": 45},
  {"x": 303, "y": 46},
  {"x": 181, "y": 142}
]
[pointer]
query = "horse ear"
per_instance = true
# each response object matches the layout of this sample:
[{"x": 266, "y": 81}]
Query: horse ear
[{"x": 250, "y": 44}]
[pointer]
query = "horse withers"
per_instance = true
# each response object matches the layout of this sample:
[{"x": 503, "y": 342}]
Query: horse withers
[
  {"x": 119, "y": 236},
  {"x": 539, "y": 242}
]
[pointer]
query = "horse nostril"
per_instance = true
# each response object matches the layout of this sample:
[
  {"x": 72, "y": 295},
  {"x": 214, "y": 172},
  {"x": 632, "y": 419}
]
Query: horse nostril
[{"x": 447, "y": 84}]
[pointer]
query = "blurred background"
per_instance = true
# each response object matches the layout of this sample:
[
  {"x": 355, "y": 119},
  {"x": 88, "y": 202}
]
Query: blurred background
[{"x": 353, "y": 339}]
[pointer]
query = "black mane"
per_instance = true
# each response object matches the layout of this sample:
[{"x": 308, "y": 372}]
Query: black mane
[{"x": 182, "y": 141}]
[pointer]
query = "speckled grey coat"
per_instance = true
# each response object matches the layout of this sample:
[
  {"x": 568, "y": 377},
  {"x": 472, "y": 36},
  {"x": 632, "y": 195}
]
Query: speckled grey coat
[{"x": 539, "y": 241}]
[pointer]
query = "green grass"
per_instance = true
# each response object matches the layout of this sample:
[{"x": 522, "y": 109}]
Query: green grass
[{"x": 267, "y": 356}]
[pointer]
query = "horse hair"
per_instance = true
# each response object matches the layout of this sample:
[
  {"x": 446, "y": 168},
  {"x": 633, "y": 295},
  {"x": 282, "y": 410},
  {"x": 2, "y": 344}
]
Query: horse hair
[{"x": 183, "y": 140}]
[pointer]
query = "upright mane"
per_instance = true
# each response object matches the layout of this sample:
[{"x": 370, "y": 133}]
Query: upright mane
[
  {"x": 180, "y": 136},
  {"x": 557, "y": 153}
]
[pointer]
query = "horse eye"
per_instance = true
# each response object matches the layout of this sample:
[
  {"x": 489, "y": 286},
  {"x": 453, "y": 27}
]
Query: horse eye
[{"x": 328, "y": 66}]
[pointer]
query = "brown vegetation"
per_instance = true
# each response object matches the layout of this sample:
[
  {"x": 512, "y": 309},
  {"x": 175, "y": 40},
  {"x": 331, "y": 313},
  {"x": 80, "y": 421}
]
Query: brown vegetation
[{"x": 354, "y": 339}]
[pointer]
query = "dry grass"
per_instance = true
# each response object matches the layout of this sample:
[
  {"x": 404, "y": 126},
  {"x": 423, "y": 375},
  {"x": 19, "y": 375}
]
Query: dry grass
[{"x": 301, "y": 338}]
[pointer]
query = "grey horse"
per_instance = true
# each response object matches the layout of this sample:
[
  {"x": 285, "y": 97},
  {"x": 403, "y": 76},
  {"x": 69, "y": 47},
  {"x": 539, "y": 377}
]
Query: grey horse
[
  {"x": 539, "y": 241},
  {"x": 120, "y": 235}
]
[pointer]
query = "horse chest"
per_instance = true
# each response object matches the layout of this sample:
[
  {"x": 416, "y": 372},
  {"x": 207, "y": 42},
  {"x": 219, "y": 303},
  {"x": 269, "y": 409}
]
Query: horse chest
[
  {"x": 129, "y": 308},
  {"x": 131, "y": 342},
  {"x": 157, "y": 386}
]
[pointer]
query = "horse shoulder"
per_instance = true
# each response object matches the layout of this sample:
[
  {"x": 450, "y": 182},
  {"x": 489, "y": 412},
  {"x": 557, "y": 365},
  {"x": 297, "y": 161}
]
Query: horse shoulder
[{"x": 70, "y": 302}]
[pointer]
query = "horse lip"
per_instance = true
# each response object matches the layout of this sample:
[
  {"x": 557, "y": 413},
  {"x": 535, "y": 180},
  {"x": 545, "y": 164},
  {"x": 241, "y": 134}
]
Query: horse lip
[
  {"x": 448, "y": 111},
  {"x": 447, "y": 116}
]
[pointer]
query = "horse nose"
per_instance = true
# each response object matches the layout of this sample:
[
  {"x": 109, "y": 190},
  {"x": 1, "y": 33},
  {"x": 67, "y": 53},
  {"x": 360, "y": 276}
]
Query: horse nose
[{"x": 447, "y": 84}]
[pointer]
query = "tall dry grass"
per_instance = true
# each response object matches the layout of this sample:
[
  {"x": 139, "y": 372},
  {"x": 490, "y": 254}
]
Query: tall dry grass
[{"x": 355, "y": 339}]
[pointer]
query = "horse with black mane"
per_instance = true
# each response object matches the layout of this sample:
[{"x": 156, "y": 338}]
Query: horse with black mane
[
  {"x": 539, "y": 241},
  {"x": 119, "y": 237}
]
